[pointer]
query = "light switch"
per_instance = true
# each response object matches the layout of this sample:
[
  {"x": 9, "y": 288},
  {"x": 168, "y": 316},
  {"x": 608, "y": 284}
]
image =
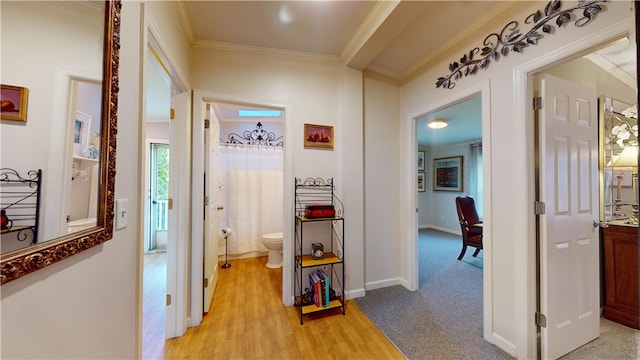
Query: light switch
[{"x": 122, "y": 207}]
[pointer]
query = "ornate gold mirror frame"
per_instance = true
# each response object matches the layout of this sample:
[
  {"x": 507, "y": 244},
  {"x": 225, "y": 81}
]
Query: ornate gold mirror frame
[{"x": 22, "y": 262}]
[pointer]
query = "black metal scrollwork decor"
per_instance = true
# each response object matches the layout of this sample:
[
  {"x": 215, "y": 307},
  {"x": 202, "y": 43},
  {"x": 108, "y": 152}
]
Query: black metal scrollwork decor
[
  {"x": 257, "y": 136},
  {"x": 511, "y": 39}
]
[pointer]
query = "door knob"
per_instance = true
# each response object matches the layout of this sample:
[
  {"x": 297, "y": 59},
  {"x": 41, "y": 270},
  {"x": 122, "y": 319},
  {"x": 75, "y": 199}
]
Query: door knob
[{"x": 597, "y": 223}]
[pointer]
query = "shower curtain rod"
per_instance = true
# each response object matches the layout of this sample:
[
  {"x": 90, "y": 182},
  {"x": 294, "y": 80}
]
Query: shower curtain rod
[{"x": 275, "y": 147}]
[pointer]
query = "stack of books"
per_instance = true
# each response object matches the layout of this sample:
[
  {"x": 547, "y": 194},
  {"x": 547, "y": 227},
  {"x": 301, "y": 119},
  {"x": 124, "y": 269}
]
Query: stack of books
[{"x": 320, "y": 286}]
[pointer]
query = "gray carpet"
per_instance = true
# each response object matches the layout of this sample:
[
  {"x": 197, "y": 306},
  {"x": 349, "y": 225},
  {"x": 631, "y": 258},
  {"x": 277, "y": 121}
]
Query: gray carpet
[{"x": 443, "y": 319}]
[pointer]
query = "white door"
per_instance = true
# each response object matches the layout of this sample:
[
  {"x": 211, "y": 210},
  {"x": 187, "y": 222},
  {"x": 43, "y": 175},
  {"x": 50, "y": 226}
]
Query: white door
[
  {"x": 178, "y": 217},
  {"x": 212, "y": 207},
  {"x": 569, "y": 262}
]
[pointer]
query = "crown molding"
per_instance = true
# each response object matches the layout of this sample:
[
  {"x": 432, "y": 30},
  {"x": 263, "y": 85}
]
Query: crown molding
[
  {"x": 256, "y": 50},
  {"x": 184, "y": 20}
]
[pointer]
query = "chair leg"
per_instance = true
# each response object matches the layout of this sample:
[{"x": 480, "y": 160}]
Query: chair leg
[
  {"x": 476, "y": 252},
  {"x": 464, "y": 249}
]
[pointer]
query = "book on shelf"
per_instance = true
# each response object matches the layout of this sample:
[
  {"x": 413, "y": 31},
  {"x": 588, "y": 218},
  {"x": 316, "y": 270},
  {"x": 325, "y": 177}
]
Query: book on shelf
[
  {"x": 314, "y": 282},
  {"x": 324, "y": 278}
]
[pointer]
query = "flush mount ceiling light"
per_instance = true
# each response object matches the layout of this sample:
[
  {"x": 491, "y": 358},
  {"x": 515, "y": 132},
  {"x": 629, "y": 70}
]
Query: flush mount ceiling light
[{"x": 437, "y": 123}]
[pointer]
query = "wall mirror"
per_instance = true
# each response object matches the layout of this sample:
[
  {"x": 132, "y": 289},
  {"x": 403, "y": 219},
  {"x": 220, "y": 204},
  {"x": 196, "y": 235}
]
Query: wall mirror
[
  {"x": 65, "y": 55},
  {"x": 619, "y": 161}
]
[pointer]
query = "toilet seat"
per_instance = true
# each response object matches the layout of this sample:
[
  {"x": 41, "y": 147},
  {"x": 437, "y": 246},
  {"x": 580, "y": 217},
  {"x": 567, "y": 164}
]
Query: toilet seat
[{"x": 273, "y": 236}]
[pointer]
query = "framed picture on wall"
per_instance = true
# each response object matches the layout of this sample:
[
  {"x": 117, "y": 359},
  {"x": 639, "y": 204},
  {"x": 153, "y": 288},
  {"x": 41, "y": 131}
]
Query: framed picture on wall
[
  {"x": 319, "y": 136},
  {"x": 81, "y": 127},
  {"x": 14, "y": 102},
  {"x": 420, "y": 160},
  {"x": 421, "y": 181},
  {"x": 447, "y": 174}
]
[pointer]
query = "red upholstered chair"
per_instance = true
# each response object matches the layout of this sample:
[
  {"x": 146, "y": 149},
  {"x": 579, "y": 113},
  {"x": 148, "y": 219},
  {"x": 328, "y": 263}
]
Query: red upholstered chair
[{"x": 470, "y": 224}]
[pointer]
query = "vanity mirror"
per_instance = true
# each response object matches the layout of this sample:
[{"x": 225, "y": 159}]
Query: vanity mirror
[
  {"x": 619, "y": 164},
  {"x": 59, "y": 51}
]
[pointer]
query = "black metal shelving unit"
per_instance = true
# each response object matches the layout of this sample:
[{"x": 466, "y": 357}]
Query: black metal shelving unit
[
  {"x": 20, "y": 203},
  {"x": 318, "y": 191}
]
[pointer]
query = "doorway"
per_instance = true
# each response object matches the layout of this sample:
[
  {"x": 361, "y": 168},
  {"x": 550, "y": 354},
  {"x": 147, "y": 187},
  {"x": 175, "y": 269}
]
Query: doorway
[
  {"x": 158, "y": 197},
  {"x": 157, "y": 134},
  {"x": 589, "y": 73},
  {"x": 159, "y": 188},
  {"x": 439, "y": 235},
  {"x": 481, "y": 95},
  {"x": 524, "y": 127},
  {"x": 200, "y": 101}
]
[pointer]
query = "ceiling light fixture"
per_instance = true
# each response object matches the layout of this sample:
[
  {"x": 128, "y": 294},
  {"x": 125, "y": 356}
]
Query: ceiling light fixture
[
  {"x": 285, "y": 15},
  {"x": 437, "y": 123}
]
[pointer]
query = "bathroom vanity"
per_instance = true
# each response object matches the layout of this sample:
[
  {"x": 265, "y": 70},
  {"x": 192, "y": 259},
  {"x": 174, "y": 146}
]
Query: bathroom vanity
[{"x": 621, "y": 273}]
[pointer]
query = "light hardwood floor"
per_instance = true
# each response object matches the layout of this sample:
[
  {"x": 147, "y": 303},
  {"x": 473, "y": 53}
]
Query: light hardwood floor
[{"x": 248, "y": 321}]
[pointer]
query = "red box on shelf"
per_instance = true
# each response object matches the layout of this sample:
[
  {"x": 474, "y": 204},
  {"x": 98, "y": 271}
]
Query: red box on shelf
[{"x": 319, "y": 211}]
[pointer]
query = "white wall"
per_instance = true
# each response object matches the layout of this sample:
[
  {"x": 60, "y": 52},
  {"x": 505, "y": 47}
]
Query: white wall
[
  {"x": 313, "y": 90},
  {"x": 383, "y": 198},
  {"x": 437, "y": 209},
  {"x": 157, "y": 131},
  {"x": 509, "y": 211},
  {"x": 586, "y": 73},
  {"x": 88, "y": 305},
  {"x": 165, "y": 21}
]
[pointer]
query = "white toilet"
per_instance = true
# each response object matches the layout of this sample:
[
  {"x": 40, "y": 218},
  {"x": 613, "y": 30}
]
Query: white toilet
[{"x": 273, "y": 242}]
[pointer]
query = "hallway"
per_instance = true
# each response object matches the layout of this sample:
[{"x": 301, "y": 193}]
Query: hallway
[{"x": 248, "y": 321}]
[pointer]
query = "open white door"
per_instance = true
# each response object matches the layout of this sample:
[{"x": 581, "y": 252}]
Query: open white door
[
  {"x": 569, "y": 257},
  {"x": 212, "y": 207},
  {"x": 178, "y": 217}
]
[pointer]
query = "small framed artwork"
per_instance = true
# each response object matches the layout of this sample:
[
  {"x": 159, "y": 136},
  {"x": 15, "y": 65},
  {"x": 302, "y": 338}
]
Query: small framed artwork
[
  {"x": 421, "y": 181},
  {"x": 420, "y": 160},
  {"x": 14, "y": 102},
  {"x": 319, "y": 136},
  {"x": 81, "y": 126},
  {"x": 447, "y": 174}
]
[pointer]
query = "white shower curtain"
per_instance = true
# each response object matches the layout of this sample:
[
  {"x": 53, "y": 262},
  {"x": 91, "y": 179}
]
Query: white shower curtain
[{"x": 252, "y": 196}]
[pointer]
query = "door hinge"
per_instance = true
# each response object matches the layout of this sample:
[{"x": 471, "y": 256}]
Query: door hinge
[
  {"x": 537, "y": 103},
  {"x": 170, "y": 204},
  {"x": 168, "y": 299},
  {"x": 172, "y": 114},
  {"x": 206, "y": 123},
  {"x": 541, "y": 320},
  {"x": 205, "y": 283},
  {"x": 540, "y": 207}
]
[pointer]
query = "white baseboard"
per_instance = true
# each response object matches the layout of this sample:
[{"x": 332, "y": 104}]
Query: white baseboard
[
  {"x": 440, "y": 228},
  {"x": 244, "y": 256},
  {"x": 384, "y": 283},
  {"x": 503, "y": 344},
  {"x": 352, "y": 294}
]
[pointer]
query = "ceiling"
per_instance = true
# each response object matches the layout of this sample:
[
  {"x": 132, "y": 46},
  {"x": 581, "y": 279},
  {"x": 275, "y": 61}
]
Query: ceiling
[
  {"x": 361, "y": 34},
  {"x": 391, "y": 38}
]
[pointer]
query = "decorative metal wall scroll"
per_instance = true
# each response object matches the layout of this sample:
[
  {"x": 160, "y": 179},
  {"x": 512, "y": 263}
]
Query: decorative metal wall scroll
[
  {"x": 257, "y": 136},
  {"x": 510, "y": 38}
]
